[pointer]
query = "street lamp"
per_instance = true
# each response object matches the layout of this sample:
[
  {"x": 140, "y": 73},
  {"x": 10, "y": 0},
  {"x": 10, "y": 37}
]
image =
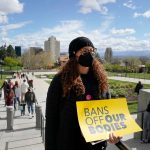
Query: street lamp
[
  {"x": 1, "y": 63},
  {"x": 126, "y": 63}
]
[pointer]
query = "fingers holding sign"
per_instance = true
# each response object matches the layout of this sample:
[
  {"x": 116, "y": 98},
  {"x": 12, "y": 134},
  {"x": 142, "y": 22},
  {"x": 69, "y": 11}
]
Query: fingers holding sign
[{"x": 113, "y": 139}]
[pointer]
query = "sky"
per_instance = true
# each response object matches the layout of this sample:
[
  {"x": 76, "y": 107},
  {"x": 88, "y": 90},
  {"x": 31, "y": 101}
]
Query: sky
[{"x": 123, "y": 25}]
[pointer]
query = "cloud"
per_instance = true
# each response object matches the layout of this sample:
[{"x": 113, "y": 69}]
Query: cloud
[
  {"x": 87, "y": 6},
  {"x": 147, "y": 34},
  {"x": 105, "y": 24},
  {"x": 67, "y": 26},
  {"x": 5, "y": 28},
  {"x": 125, "y": 44},
  {"x": 129, "y": 4},
  {"x": 9, "y": 7},
  {"x": 146, "y": 14},
  {"x": 3, "y": 18},
  {"x": 65, "y": 31},
  {"x": 123, "y": 32}
]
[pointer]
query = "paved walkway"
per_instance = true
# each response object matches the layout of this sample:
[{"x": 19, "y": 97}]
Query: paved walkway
[
  {"x": 143, "y": 81},
  {"x": 26, "y": 137}
]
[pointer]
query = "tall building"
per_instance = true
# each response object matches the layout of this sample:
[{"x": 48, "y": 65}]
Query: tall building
[
  {"x": 108, "y": 55},
  {"x": 53, "y": 46},
  {"x": 36, "y": 50},
  {"x": 18, "y": 50}
]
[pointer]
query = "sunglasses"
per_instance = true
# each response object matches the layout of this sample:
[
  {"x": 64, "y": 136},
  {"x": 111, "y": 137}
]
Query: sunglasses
[{"x": 86, "y": 50}]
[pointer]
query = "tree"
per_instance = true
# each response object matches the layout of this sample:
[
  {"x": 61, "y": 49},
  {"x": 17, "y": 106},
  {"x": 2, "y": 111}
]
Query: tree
[
  {"x": 9, "y": 61},
  {"x": 108, "y": 55},
  {"x": 132, "y": 63},
  {"x": 148, "y": 66},
  {"x": 10, "y": 51},
  {"x": 40, "y": 60},
  {"x": 143, "y": 59},
  {"x": 97, "y": 55},
  {"x": 3, "y": 52},
  {"x": 26, "y": 59},
  {"x": 116, "y": 60}
]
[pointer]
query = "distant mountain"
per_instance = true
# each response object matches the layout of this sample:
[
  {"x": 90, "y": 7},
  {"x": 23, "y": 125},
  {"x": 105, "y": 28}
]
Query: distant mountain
[
  {"x": 145, "y": 53},
  {"x": 132, "y": 53},
  {"x": 63, "y": 53}
]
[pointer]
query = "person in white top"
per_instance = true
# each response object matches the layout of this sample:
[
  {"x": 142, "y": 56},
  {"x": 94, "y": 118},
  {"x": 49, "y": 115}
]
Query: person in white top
[
  {"x": 17, "y": 92},
  {"x": 24, "y": 88}
]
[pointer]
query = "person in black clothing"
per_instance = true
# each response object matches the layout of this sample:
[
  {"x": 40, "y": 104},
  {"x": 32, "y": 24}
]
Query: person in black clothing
[
  {"x": 146, "y": 125},
  {"x": 138, "y": 87},
  {"x": 82, "y": 78}
]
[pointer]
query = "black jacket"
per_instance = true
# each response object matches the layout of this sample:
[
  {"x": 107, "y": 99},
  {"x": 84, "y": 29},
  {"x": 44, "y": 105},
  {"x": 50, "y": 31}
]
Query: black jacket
[
  {"x": 138, "y": 87},
  {"x": 148, "y": 107},
  {"x": 62, "y": 131}
]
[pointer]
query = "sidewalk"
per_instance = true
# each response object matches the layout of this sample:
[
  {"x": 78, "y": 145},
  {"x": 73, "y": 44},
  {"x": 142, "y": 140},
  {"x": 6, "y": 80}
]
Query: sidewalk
[{"x": 24, "y": 135}]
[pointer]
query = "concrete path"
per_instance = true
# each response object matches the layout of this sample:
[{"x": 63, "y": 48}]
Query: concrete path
[
  {"x": 143, "y": 81},
  {"x": 24, "y": 135}
]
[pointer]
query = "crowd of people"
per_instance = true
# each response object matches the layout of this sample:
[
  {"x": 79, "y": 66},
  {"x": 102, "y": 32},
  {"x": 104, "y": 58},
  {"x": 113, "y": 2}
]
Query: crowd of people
[{"x": 20, "y": 94}]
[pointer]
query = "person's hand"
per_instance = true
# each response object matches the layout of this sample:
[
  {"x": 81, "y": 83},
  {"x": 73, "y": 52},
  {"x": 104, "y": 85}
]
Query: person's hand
[{"x": 113, "y": 139}]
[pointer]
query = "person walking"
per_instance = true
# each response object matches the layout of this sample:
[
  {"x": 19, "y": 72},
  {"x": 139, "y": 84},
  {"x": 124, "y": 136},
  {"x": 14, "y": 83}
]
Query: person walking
[
  {"x": 22, "y": 107},
  {"x": 30, "y": 99},
  {"x": 10, "y": 97},
  {"x": 10, "y": 83},
  {"x": 17, "y": 92},
  {"x": 24, "y": 88},
  {"x": 5, "y": 88},
  {"x": 82, "y": 78}
]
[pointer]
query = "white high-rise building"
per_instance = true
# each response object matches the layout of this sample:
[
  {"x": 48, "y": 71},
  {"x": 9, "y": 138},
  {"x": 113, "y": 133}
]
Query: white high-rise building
[{"x": 53, "y": 46}]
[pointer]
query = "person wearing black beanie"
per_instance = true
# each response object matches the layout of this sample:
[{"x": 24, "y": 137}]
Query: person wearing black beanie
[
  {"x": 83, "y": 77},
  {"x": 77, "y": 44}
]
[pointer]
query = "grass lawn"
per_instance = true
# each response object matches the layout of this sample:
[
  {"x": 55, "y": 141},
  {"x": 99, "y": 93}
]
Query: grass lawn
[
  {"x": 2, "y": 80},
  {"x": 132, "y": 106}
]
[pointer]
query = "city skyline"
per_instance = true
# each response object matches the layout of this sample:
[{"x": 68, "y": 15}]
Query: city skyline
[{"x": 120, "y": 24}]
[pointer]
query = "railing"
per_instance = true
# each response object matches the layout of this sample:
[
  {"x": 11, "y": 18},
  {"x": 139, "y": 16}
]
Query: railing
[
  {"x": 142, "y": 119},
  {"x": 40, "y": 121},
  {"x": 43, "y": 127}
]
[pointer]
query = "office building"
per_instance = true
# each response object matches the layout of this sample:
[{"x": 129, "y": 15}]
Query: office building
[
  {"x": 18, "y": 51},
  {"x": 53, "y": 46},
  {"x": 35, "y": 50}
]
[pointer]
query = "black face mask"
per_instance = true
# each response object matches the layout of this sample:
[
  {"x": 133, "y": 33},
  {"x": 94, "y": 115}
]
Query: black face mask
[{"x": 85, "y": 60}]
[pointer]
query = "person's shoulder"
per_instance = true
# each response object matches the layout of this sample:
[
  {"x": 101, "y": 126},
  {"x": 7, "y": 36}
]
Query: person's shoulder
[
  {"x": 56, "y": 81},
  {"x": 57, "y": 77}
]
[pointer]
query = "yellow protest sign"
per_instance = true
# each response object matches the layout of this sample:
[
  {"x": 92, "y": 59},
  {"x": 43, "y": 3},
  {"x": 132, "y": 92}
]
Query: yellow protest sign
[{"x": 98, "y": 118}]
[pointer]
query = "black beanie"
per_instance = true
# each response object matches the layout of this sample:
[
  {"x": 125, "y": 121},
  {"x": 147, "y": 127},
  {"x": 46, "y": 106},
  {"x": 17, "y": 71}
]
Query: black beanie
[{"x": 77, "y": 44}]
